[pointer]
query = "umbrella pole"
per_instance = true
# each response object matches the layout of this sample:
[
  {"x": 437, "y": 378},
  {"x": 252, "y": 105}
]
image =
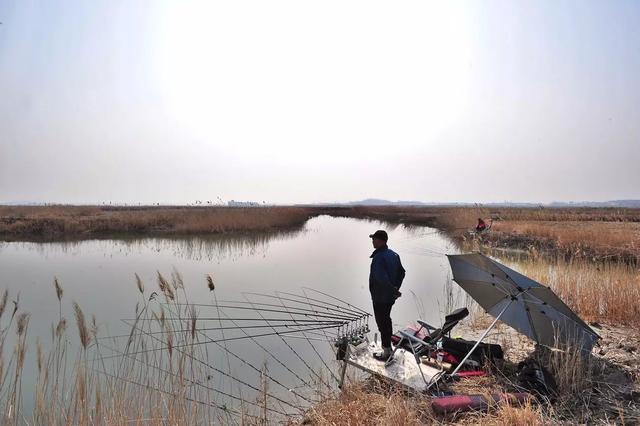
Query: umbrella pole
[{"x": 482, "y": 337}]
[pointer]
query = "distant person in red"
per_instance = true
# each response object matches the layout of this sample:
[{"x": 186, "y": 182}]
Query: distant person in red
[{"x": 481, "y": 226}]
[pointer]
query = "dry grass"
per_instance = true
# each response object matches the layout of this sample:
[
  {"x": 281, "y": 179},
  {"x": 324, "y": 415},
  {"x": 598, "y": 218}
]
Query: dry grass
[
  {"x": 55, "y": 222},
  {"x": 507, "y": 415},
  {"x": 606, "y": 292},
  {"x": 585, "y": 395},
  {"x": 603, "y": 233},
  {"x": 364, "y": 404},
  {"x": 374, "y": 403},
  {"x": 445, "y": 218},
  {"x": 101, "y": 381},
  {"x": 591, "y": 240}
]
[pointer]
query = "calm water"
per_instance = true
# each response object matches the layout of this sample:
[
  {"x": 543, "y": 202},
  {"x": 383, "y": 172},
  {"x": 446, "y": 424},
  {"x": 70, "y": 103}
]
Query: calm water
[{"x": 328, "y": 254}]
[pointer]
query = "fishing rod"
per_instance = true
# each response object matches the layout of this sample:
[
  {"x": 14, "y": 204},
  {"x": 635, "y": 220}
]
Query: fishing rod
[
  {"x": 305, "y": 312},
  {"x": 324, "y": 303},
  {"x": 276, "y": 333},
  {"x": 335, "y": 298},
  {"x": 335, "y": 338},
  {"x": 352, "y": 313},
  {"x": 331, "y": 307},
  {"x": 229, "y": 352},
  {"x": 215, "y": 299},
  {"x": 313, "y": 372},
  {"x": 342, "y": 315},
  {"x": 341, "y": 309},
  {"x": 191, "y": 380},
  {"x": 241, "y": 319},
  {"x": 189, "y": 330},
  {"x": 311, "y": 319},
  {"x": 147, "y": 386},
  {"x": 177, "y": 348},
  {"x": 355, "y": 310},
  {"x": 317, "y": 353},
  {"x": 362, "y": 321},
  {"x": 279, "y": 362}
]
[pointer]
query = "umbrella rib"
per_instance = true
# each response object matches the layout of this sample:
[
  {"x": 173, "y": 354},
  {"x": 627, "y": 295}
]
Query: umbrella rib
[
  {"x": 498, "y": 265},
  {"x": 500, "y": 287},
  {"x": 537, "y": 301},
  {"x": 533, "y": 326},
  {"x": 516, "y": 286},
  {"x": 506, "y": 293},
  {"x": 576, "y": 320}
]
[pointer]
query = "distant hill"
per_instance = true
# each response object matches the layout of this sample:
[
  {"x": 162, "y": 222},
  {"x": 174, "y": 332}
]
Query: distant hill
[
  {"x": 381, "y": 202},
  {"x": 630, "y": 204}
]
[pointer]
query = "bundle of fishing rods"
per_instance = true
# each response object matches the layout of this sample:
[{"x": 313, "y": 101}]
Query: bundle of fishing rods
[{"x": 268, "y": 356}]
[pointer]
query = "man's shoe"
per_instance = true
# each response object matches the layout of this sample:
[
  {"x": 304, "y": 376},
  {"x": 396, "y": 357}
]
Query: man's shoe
[{"x": 384, "y": 355}]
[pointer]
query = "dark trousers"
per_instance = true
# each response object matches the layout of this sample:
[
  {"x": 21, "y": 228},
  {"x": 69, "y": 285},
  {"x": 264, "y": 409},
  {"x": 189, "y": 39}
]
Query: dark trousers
[{"x": 382, "y": 312}]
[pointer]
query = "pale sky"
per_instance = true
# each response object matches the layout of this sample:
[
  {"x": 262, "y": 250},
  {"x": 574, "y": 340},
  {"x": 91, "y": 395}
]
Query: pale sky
[{"x": 297, "y": 101}]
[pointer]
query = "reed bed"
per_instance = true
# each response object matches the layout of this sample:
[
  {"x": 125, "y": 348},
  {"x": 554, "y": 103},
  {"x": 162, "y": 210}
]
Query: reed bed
[
  {"x": 160, "y": 374},
  {"x": 590, "y": 233},
  {"x": 60, "y": 222},
  {"x": 593, "y": 233},
  {"x": 592, "y": 240},
  {"x": 598, "y": 291}
]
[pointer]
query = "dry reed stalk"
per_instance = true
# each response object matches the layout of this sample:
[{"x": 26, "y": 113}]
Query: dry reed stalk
[
  {"x": 61, "y": 328},
  {"x": 83, "y": 331},
  {"x": 139, "y": 284},
  {"x": 176, "y": 280},
  {"x": 165, "y": 287},
  {"x": 58, "y": 288},
  {"x": 3, "y": 302},
  {"x": 601, "y": 292}
]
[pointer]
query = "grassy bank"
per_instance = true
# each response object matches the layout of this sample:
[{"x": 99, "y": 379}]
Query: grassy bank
[
  {"x": 589, "y": 257},
  {"x": 599, "y": 389},
  {"x": 592, "y": 233},
  {"x": 67, "y": 222}
]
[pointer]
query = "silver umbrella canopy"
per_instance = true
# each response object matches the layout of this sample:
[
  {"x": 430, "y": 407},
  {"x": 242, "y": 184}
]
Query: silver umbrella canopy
[{"x": 520, "y": 302}]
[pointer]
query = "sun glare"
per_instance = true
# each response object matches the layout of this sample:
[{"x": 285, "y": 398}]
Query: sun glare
[{"x": 275, "y": 77}]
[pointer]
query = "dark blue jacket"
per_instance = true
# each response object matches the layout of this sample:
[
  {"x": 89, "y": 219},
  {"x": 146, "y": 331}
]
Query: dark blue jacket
[{"x": 386, "y": 275}]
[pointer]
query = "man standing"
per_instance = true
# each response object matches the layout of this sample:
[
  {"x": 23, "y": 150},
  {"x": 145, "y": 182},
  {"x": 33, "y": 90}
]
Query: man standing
[{"x": 385, "y": 280}]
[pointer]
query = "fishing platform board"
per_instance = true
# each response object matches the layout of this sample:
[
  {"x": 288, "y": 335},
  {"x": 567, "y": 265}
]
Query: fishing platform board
[{"x": 404, "y": 369}]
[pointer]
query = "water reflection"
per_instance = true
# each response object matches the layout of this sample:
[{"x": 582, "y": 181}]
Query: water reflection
[
  {"x": 328, "y": 254},
  {"x": 211, "y": 248}
]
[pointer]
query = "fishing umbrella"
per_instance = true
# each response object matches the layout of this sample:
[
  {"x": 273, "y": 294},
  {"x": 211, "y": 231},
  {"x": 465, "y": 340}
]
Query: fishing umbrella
[{"x": 520, "y": 302}]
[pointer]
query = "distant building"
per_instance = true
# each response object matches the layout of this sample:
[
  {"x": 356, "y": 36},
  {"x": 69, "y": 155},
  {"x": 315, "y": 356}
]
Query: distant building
[{"x": 234, "y": 203}]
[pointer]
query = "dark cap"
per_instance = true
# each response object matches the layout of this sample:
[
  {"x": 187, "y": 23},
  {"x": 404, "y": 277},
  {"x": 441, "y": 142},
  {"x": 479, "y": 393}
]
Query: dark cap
[{"x": 380, "y": 234}]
